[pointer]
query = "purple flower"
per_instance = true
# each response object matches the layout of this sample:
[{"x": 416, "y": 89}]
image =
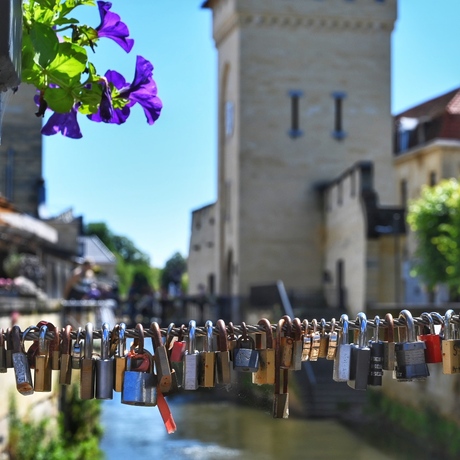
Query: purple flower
[
  {"x": 106, "y": 109},
  {"x": 112, "y": 27},
  {"x": 65, "y": 123},
  {"x": 142, "y": 90}
]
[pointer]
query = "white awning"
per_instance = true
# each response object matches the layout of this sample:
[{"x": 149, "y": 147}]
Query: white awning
[{"x": 28, "y": 224}]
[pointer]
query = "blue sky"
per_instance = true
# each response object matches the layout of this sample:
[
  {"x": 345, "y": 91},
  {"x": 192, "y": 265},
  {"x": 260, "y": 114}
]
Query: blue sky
[{"x": 144, "y": 181}]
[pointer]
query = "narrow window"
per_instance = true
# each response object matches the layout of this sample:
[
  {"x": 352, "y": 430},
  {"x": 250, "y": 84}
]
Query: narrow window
[
  {"x": 338, "y": 132},
  {"x": 295, "y": 130},
  {"x": 432, "y": 179},
  {"x": 403, "y": 191}
]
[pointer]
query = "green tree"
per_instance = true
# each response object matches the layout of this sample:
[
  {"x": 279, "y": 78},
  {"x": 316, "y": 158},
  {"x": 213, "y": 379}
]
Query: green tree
[
  {"x": 130, "y": 259},
  {"x": 435, "y": 219},
  {"x": 173, "y": 271}
]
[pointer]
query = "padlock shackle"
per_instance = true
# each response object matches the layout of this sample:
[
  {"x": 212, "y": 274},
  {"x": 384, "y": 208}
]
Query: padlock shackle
[
  {"x": 268, "y": 332},
  {"x": 157, "y": 340},
  {"x": 448, "y": 332},
  {"x": 191, "y": 337},
  {"x": 208, "y": 337},
  {"x": 121, "y": 342},
  {"x": 344, "y": 325},
  {"x": 389, "y": 335},
  {"x": 406, "y": 316},
  {"x": 66, "y": 340},
  {"x": 362, "y": 321},
  {"x": 222, "y": 341},
  {"x": 375, "y": 336},
  {"x": 288, "y": 322},
  {"x": 16, "y": 341},
  {"x": 425, "y": 315},
  {"x": 43, "y": 345},
  {"x": 88, "y": 348},
  {"x": 105, "y": 342},
  {"x": 139, "y": 341},
  {"x": 296, "y": 329},
  {"x": 169, "y": 336}
]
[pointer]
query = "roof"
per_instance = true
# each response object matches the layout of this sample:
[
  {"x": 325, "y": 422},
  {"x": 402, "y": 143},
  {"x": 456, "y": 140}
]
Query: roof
[
  {"x": 96, "y": 250},
  {"x": 438, "y": 118},
  {"x": 448, "y": 102}
]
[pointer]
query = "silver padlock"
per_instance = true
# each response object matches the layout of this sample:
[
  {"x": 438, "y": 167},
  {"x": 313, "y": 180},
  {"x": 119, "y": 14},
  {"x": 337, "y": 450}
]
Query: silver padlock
[
  {"x": 245, "y": 356},
  {"x": 341, "y": 370},
  {"x": 104, "y": 367},
  {"x": 139, "y": 383},
  {"x": 191, "y": 360},
  {"x": 21, "y": 364},
  {"x": 87, "y": 366}
]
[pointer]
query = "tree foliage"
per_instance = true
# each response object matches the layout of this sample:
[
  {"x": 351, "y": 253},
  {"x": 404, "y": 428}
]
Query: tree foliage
[
  {"x": 173, "y": 270},
  {"x": 435, "y": 219},
  {"x": 130, "y": 259}
]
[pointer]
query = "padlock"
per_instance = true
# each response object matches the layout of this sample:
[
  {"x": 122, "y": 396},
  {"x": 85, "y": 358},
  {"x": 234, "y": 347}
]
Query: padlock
[
  {"x": 163, "y": 370},
  {"x": 341, "y": 369},
  {"x": 315, "y": 341},
  {"x": 3, "y": 368},
  {"x": 177, "y": 353},
  {"x": 54, "y": 347},
  {"x": 306, "y": 341},
  {"x": 450, "y": 347},
  {"x": 20, "y": 363},
  {"x": 433, "y": 350},
  {"x": 139, "y": 383},
  {"x": 191, "y": 360},
  {"x": 245, "y": 356},
  {"x": 376, "y": 367},
  {"x": 281, "y": 394},
  {"x": 410, "y": 355},
  {"x": 105, "y": 367},
  {"x": 296, "y": 360},
  {"x": 324, "y": 340},
  {"x": 223, "y": 362},
  {"x": 265, "y": 375},
  {"x": 360, "y": 358},
  {"x": 77, "y": 351},
  {"x": 65, "y": 372},
  {"x": 9, "y": 349},
  {"x": 389, "y": 345},
  {"x": 43, "y": 371},
  {"x": 87, "y": 365},
  {"x": 120, "y": 359},
  {"x": 232, "y": 343},
  {"x": 333, "y": 341},
  {"x": 287, "y": 343},
  {"x": 208, "y": 359}
]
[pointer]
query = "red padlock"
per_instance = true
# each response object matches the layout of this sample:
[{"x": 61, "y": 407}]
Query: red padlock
[{"x": 433, "y": 351}]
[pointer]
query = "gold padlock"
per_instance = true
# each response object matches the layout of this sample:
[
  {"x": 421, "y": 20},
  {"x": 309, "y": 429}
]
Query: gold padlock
[
  {"x": 120, "y": 356},
  {"x": 208, "y": 360},
  {"x": 450, "y": 347},
  {"x": 265, "y": 375},
  {"x": 286, "y": 343},
  {"x": 324, "y": 340},
  {"x": 163, "y": 370},
  {"x": 65, "y": 372},
  {"x": 43, "y": 371}
]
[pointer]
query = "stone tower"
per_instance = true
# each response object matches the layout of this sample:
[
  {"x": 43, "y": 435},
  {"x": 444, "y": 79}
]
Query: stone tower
[{"x": 304, "y": 93}]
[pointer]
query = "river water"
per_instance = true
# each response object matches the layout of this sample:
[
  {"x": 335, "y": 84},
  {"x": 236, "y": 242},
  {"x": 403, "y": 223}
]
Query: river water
[{"x": 216, "y": 430}]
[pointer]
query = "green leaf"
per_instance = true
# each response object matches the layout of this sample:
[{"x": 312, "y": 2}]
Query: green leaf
[
  {"x": 45, "y": 43},
  {"x": 50, "y": 4},
  {"x": 69, "y": 62},
  {"x": 69, "y": 5},
  {"x": 59, "y": 100}
]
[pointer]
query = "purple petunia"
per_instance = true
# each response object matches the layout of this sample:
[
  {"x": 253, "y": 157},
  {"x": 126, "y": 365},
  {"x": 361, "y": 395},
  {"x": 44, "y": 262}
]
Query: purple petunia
[
  {"x": 142, "y": 90},
  {"x": 65, "y": 123},
  {"x": 112, "y": 27}
]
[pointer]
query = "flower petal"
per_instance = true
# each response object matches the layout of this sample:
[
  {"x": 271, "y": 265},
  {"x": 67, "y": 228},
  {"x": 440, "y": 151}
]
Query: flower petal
[
  {"x": 65, "y": 123},
  {"x": 112, "y": 27}
]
